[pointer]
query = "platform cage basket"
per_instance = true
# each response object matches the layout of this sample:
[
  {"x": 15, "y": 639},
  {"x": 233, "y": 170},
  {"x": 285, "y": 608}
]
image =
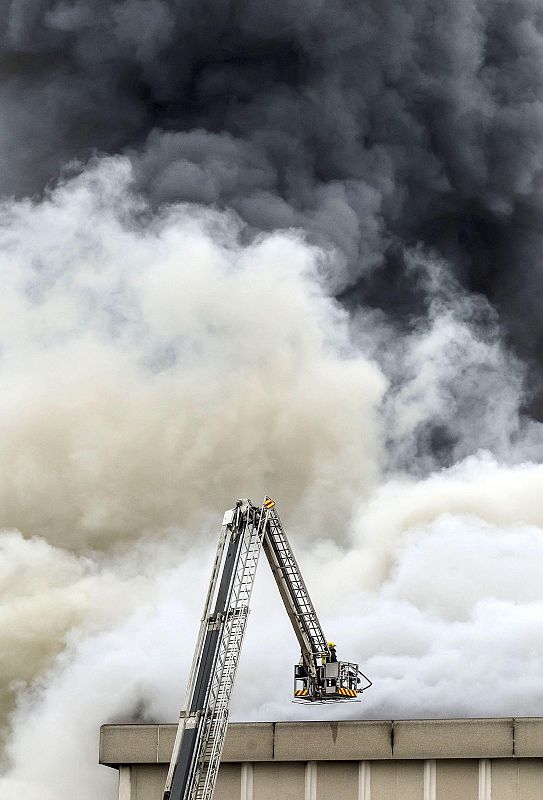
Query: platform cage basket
[{"x": 336, "y": 680}]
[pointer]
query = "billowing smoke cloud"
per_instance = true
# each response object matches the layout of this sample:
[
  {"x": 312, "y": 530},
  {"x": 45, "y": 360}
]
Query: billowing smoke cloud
[
  {"x": 148, "y": 361},
  {"x": 449, "y": 622},
  {"x": 247, "y": 248},
  {"x": 152, "y": 366},
  {"x": 371, "y": 125}
]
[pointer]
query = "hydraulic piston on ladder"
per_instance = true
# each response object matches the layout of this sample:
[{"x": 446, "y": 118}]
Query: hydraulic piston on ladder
[{"x": 246, "y": 529}]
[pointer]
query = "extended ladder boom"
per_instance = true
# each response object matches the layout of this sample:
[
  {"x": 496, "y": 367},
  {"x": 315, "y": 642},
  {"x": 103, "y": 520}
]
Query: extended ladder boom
[
  {"x": 318, "y": 677},
  {"x": 294, "y": 593}
]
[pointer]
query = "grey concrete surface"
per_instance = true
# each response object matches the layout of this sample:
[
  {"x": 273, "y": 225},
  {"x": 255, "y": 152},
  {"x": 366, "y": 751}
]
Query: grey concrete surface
[
  {"x": 332, "y": 741},
  {"x": 322, "y": 741},
  {"x": 153, "y": 744},
  {"x": 453, "y": 759},
  {"x": 528, "y": 736},
  {"x": 399, "y": 780},
  {"x": 457, "y": 778},
  {"x": 454, "y": 738}
]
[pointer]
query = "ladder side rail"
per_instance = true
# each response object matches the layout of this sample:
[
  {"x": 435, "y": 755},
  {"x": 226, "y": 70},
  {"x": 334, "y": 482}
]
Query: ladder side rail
[
  {"x": 294, "y": 592},
  {"x": 181, "y": 774},
  {"x": 225, "y": 535},
  {"x": 304, "y": 640},
  {"x": 298, "y": 588},
  {"x": 223, "y": 679},
  {"x": 225, "y": 532},
  {"x": 237, "y": 603},
  {"x": 219, "y": 680}
]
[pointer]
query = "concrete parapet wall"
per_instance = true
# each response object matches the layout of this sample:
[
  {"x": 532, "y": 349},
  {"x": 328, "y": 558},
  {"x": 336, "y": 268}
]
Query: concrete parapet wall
[
  {"x": 454, "y": 738},
  {"x": 449, "y": 759},
  {"x": 528, "y": 737},
  {"x": 355, "y": 740},
  {"x": 332, "y": 741}
]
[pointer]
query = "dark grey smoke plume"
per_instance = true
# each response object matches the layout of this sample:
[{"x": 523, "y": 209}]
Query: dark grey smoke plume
[{"x": 372, "y": 125}]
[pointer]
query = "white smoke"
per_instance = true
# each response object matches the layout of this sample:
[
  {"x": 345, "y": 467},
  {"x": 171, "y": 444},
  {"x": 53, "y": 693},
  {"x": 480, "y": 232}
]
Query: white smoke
[{"x": 154, "y": 368}]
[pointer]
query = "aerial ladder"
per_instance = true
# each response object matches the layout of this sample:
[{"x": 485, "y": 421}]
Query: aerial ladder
[{"x": 318, "y": 677}]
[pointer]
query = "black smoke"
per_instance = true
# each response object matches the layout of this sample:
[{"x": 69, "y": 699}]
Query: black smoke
[{"x": 377, "y": 126}]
